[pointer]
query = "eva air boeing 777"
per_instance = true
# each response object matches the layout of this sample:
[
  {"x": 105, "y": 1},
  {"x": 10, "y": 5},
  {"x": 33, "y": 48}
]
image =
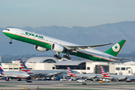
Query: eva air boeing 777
[{"x": 44, "y": 43}]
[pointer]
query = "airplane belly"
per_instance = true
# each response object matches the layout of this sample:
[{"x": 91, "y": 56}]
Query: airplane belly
[{"x": 89, "y": 56}]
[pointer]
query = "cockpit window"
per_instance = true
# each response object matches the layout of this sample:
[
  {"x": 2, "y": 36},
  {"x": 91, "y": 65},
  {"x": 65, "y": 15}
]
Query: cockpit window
[{"x": 8, "y": 29}]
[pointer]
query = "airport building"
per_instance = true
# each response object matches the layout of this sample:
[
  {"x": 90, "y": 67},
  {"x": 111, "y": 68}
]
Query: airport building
[
  {"x": 14, "y": 66},
  {"x": 82, "y": 66},
  {"x": 41, "y": 63}
]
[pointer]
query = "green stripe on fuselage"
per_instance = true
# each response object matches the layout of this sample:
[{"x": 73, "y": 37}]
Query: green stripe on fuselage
[
  {"x": 87, "y": 56},
  {"x": 48, "y": 46}
]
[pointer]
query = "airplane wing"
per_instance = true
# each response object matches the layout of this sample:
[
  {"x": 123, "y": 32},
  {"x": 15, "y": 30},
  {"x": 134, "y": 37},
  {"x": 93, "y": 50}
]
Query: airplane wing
[
  {"x": 76, "y": 48},
  {"x": 119, "y": 58},
  {"x": 88, "y": 76},
  {"x": 53, "y": 73},
  {"x": 120, "y": 77},
  {"x": 91, "y": 76}
]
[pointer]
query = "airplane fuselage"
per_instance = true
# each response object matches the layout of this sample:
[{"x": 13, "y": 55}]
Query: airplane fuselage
[
  {"x": 48, "y": 72},
  {"x": 47, "y": 42},
  {"x": 16, "y": 74}
]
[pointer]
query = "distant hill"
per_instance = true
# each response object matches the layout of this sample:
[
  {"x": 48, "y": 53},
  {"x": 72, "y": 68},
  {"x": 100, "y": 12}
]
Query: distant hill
[{"x": 106, "y": 33}]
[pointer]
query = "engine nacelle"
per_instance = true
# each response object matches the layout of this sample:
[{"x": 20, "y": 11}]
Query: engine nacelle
[
  {"x": 57, "y": 48},
  {"x": 7, "y": 78},
  {"x": 41, "y": 49}
]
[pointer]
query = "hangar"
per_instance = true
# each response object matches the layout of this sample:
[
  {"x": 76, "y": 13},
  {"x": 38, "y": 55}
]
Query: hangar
[
  {"x": 41, "y": 63},
  {"x": 42, "y": 60},
  {"x": 80, "y": 65}
]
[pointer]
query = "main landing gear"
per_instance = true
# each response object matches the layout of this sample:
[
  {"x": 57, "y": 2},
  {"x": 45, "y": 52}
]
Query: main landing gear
[
  {"x": 65, "y": 56},
  {"x": 58, "y": 55}
]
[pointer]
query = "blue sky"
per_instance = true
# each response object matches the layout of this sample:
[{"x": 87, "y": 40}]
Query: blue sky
[{"x": 69, "y": 13}]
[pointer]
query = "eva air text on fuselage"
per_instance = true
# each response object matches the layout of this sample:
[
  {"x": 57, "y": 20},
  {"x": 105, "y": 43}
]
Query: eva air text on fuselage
[{"x": 34, "y": 35}]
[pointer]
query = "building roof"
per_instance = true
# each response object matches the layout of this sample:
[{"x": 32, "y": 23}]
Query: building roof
[
  {"x": 40, "y": 59},
  {"x": 130, "y": 62},
  {"x": 71, "y": 63}
]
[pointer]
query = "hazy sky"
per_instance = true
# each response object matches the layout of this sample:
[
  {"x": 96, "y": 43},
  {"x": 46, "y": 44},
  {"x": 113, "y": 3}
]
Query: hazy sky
[{"x": 36, "y": 13}]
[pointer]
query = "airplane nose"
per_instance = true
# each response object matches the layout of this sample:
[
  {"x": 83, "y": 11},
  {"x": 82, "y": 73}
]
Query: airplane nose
[
  {"x": 3, "y": 30},
  {"x": 6, "y": 30}
]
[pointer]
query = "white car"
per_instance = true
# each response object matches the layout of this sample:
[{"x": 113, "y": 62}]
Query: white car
[
  {"x": 62, "y": 79},
  {"x": 80, "y": 81}
]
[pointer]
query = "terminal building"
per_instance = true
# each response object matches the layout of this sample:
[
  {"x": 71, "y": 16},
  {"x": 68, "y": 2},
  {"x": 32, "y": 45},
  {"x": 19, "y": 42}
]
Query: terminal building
[
  {"x": 41, "y": 63},
  {"x": 82, "y": 66}
]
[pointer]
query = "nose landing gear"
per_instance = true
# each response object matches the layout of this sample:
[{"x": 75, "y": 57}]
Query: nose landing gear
[
  {"x": 66, "y": 56},
  {"x": 10, "y": 41}
]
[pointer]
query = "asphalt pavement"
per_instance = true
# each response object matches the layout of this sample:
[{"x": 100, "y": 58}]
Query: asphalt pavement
[{"x": 66, "y": 85}]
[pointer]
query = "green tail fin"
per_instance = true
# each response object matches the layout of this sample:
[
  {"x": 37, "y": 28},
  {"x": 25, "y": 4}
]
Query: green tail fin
[{"x": 114, "y": 50}]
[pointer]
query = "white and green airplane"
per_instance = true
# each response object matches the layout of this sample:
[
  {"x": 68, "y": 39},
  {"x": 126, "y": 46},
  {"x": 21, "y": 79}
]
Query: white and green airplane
[{"x": 44, "y": 43}]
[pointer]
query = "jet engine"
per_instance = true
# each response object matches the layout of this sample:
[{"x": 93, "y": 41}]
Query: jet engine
[
  {"x": 41, "y": 49},
  {"x": 57, "y": 48},
  {"x": 7, "y": 78}
]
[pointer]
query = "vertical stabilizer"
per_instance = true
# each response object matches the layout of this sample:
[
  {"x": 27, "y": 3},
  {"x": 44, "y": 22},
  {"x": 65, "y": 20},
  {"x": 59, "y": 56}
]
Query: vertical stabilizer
[
  {"x": 1, "y": 70},
  {"x": 114, "y": 50},
  {"x": 71, "y": 73},
  {"x": 104, "y": 73},
  {"x": 24, "y": 68}
]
